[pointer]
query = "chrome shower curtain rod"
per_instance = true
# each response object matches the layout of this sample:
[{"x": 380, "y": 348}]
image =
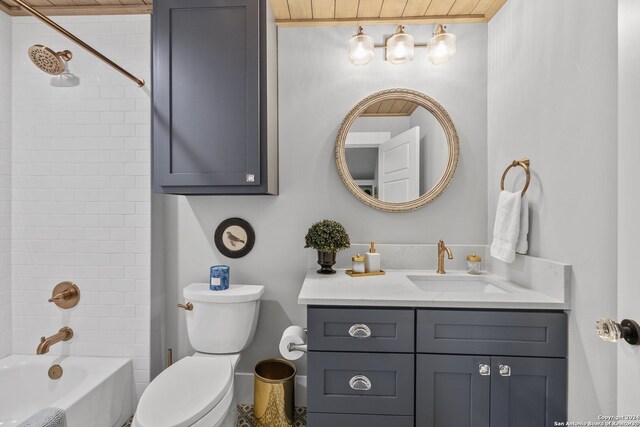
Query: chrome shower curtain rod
[{"x": 26, "y": 6}]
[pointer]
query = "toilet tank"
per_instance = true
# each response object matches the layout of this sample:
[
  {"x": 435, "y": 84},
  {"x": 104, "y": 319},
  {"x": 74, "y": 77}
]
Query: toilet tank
[{"x": 222, "y": 321}]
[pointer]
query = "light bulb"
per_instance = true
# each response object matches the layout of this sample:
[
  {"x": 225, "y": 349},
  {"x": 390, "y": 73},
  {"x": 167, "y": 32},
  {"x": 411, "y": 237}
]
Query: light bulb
[
  {"x": 400, "y": 47},
  {"x": 360, "y": 48},
  {"x": 442, "y": 46}
]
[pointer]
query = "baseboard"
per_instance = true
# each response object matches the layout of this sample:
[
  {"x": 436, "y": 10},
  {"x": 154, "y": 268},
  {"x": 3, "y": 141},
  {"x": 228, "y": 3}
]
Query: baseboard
[{"x": 244, "y": 389}]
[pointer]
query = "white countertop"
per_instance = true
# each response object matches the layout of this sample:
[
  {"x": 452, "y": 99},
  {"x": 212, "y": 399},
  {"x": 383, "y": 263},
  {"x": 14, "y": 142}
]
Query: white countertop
[{"x": 394, "y": 289}]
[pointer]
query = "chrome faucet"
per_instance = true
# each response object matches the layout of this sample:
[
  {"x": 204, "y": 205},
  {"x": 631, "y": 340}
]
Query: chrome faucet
[
  {"x": 64, "y": 334},
  {"x": 441, "y": 250}
]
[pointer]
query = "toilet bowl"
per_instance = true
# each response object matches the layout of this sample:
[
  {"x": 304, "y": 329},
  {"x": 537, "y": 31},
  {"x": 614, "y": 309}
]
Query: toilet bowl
[{"x": 198, "y": 390}]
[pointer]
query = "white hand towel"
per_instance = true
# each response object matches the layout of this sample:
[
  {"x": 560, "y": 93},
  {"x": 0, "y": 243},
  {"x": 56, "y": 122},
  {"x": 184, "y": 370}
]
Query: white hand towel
[
  {"x": 507, "y": 226},
  {"x": 522, "y": 247}
]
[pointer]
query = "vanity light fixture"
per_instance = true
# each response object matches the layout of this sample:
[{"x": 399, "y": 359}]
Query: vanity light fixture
[
  {"x": 400, "y": 47},
  {"x": 442, "y": 46},
  {"x": 361, "y": 48}
]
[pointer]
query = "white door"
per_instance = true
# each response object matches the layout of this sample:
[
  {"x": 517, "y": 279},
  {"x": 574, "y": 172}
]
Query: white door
[
  {"x": 628, "y": 202},
  {"x": 399, "y": 167}
]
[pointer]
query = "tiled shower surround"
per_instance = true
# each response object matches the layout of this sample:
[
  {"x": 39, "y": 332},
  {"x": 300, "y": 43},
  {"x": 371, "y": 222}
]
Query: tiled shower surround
[
  {"x": 80, "y": 174},
  {"x": 5, "y": 186}
]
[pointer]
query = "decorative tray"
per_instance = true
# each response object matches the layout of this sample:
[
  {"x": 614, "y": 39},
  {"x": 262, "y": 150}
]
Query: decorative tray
[{"x": 352, "y": 274}]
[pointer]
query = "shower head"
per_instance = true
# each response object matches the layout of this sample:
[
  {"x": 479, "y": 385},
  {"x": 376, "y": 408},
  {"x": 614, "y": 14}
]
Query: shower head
[{"x": 47, "y": 60}]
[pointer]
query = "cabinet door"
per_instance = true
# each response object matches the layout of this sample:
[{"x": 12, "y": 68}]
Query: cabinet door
[
  {"x": 528, "y": 392},
  {"x": 206, "y": 94},
  {"x": 452, "y": 391}
]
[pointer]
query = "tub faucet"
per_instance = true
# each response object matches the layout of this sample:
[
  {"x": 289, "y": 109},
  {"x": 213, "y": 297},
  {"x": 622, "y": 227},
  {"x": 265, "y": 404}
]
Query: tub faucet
[
  {"x": 441, "y": 250},
  {"x": 64, "y": 334}
]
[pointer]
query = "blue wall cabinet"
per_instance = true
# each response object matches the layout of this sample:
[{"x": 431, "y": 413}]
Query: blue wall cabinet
[
  {"x": 214, "y": 97},
  {"x": 436, "y": 367}
]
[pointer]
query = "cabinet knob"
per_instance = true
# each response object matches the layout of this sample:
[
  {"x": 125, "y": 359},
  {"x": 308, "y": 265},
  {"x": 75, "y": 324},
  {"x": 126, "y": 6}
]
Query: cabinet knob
[
  {"x": 360, "y": 382},
  {"x": 484, "y": 369},
  {"x": 360, "y": 330},
  {"x": 505, "y": 370}
]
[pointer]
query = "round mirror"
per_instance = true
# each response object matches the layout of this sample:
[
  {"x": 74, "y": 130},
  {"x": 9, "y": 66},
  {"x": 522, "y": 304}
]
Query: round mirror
[{"x": 397, "y": 150}]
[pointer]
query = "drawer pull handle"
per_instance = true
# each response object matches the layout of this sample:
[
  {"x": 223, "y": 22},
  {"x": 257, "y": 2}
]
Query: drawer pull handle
[
  {"x": 505, "y": 370},
  {"x": 360, "y": 382},
  {"x": 484, "y": 369},
  {"x": 360, "y": 330}
]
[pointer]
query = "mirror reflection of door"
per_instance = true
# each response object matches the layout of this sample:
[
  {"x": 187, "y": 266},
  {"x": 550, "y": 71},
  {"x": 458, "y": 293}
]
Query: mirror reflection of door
[
  {"x": 398, "y": 167},
  {"x": 396, "y": 151}
]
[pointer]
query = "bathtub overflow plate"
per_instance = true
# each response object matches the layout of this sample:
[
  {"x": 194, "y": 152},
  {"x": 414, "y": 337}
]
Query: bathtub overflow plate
[{"x": 55, "y": 372}]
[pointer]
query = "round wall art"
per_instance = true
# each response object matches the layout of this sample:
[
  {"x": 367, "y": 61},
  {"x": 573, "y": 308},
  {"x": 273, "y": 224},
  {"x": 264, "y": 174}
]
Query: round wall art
[{"x": 234, "y": 237}]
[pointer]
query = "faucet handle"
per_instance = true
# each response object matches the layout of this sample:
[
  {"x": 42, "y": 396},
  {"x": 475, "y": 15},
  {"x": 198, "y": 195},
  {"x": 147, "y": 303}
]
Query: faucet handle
[
  {"x": 43, "y": 339},
  {"x": 65, "y": 295}
]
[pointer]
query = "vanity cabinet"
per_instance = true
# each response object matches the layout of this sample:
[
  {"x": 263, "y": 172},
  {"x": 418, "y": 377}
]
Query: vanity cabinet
[
  {"x": 361, "y": 367},
  {"x": 483, "y": 359},
  {"x": 435, "y": 367},
  {"x": 214, "y": 97},
  {"x": 485, "y": 391}
]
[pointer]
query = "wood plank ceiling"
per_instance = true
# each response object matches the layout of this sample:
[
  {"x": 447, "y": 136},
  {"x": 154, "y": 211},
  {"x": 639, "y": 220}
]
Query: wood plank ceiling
[
  {"x": 80, "y": 7},
  {"x": 390, "y": 108},
  {"x": 352, "y": 12},
  {"x": 301, "y": 12}
]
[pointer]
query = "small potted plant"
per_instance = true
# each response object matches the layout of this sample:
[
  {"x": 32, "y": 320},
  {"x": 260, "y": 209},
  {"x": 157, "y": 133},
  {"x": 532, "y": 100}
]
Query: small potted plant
[{"x": 327, "y": 237}]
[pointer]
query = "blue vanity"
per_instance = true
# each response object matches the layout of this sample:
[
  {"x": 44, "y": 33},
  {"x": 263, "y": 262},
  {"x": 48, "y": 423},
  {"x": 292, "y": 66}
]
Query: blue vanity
[
  {"x": 435, "y": 367},
  {"x": 383, "y": 352}
]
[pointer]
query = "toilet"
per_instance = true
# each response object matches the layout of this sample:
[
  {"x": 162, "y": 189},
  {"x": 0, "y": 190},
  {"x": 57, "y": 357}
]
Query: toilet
[{"x": 198, "y": 390}]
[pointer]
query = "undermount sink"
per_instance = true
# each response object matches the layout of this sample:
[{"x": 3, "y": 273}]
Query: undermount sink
[{"x": 455, "y": 284}]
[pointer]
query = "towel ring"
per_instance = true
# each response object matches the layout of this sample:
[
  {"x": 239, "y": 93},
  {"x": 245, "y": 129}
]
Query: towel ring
[{"x": 524, "y": 163}]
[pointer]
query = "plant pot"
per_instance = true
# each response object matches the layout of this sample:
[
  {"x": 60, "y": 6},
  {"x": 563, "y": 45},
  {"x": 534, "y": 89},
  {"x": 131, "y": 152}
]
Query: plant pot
[{"x": 326, "y": 261}]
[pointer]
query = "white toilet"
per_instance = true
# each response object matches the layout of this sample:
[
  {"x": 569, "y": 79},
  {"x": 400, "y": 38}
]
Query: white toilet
[{"x": 198, "y": 390}]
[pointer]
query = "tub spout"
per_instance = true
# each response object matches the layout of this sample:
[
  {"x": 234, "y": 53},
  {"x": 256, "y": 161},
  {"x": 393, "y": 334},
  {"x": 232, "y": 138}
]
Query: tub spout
[{"x": 64, "y": 334}]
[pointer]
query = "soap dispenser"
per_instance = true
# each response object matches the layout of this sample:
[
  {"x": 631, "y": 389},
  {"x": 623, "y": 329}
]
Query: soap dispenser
[{"x": 372, "y": 260}]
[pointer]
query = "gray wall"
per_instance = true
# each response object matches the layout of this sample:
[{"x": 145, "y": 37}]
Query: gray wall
[
  {"x": 318, "y": 86},
  {"x": 552, "y": 97},
  {"x": 628, "y": 205},
  {"x": 362, "y": 162}
]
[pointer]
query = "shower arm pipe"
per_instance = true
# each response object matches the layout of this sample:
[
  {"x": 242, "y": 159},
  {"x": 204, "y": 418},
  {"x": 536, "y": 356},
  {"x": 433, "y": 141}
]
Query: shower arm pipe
[{"x": 64, "y": 32}]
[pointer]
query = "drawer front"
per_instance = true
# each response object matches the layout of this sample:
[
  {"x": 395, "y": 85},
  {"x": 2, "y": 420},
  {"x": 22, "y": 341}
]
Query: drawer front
[
  {"x": 366, "y": 330},
  {"x": 350, "y": 420},
  {"x": 358, "y": 383},
  {"x": 508, "y": 333}
]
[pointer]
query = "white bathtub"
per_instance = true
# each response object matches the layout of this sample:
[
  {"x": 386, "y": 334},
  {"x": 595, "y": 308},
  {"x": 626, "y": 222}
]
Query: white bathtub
[{"x": 93, "y": 391}]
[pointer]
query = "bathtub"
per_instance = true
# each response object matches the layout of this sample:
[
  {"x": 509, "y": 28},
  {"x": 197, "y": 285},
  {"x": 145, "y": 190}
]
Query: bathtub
[{"x": 93, "y": 391}]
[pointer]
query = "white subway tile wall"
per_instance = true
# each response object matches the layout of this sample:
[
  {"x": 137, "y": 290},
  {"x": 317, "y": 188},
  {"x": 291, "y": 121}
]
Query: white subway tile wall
[
  {"x": 81, "y": 190},
  {"x": 5, "y": 185}
]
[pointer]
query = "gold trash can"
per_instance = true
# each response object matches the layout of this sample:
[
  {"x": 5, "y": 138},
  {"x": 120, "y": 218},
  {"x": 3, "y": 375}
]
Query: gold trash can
[{"x": 273, "y": 393}]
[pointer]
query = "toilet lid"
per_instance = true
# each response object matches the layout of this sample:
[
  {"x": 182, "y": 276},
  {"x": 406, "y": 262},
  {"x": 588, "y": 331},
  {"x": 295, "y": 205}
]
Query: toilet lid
[{"x": 184, "y": 392}]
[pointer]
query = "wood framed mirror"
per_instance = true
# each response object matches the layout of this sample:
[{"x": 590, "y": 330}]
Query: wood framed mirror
[{"x": 397, "y": 150}]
